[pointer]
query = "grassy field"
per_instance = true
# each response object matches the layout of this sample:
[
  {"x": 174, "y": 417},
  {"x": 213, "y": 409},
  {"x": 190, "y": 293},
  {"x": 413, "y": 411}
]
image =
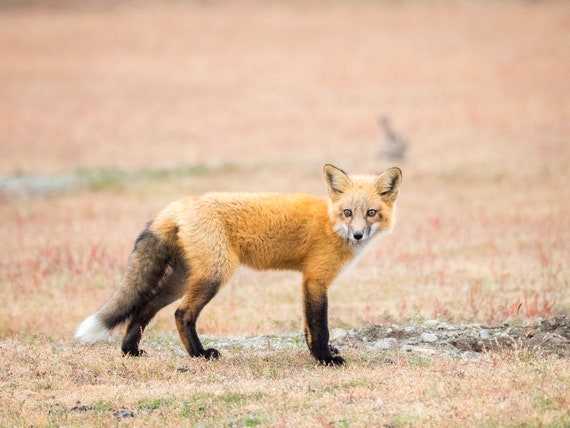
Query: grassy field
[{"x": 108, "y": 112}]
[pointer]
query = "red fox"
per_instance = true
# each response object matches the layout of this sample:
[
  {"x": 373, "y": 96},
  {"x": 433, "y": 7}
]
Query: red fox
[{"x": 194, "y": 245}]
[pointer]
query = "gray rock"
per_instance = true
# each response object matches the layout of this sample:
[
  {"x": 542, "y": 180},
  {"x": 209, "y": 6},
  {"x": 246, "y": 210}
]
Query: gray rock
[
  {"x": 430, "y": 323},
  {"x": 387, "y": 343},
  {"x": 339, "y": 334},
  {"x": 429, "y": 337}
]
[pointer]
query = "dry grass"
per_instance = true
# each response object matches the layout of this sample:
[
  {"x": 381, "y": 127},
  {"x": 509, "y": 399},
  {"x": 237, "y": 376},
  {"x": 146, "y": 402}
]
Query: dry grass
[
  {"x": 250, "y": 96},
  {"x": 57, "y": 388}
]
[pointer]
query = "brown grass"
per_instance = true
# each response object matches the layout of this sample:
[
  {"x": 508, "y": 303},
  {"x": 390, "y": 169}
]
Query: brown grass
[
  {"x": 100, "y": 388},
  {"x": 258, "y": 96}
]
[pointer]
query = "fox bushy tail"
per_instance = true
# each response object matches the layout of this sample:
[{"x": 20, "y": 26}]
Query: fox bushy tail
[{"x": 149, "y": 265}]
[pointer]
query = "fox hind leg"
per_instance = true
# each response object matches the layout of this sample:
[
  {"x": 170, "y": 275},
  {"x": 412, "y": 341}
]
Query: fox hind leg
[
  {"x": 144, "y": 315},
  {"x": 136, "y": 326},
  {"x": 169, "y": 287},
  {"x": 198, "y": 294}
]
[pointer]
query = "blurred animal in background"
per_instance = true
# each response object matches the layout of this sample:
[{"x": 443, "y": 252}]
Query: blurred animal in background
[{"x": 394, "y": 145}]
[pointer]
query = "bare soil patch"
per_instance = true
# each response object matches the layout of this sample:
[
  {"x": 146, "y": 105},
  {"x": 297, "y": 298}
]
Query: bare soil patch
[{"x": 545, "y": 337}]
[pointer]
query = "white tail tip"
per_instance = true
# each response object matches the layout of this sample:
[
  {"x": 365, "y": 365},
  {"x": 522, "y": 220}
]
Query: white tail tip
[{"x": 92, "y": 330}]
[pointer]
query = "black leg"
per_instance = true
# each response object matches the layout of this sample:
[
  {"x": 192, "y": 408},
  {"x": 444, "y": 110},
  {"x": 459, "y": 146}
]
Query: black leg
[
  {"x": 187, "y": 314},
  {"x": 316, "y": 327},
  {"x": 131, "y": 341},
  {"x": 168, "y": 294}
]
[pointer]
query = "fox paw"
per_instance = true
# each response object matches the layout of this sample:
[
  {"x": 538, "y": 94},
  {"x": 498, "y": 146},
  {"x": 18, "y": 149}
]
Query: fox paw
[
  {"x": 134, "y": 352},
  {"x": 334, "y": 350},
  {"x": 210, "y": 354},
  {"x": 332, "y": 361}
]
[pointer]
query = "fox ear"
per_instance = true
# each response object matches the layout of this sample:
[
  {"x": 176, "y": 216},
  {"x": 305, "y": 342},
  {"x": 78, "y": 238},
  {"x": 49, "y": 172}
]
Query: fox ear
[
  {"x": 388, "y": 183},
  {"x": 337, "y": 180}
]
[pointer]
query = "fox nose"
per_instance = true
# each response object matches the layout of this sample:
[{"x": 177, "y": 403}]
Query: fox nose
[{"x": 358, "y": 235}]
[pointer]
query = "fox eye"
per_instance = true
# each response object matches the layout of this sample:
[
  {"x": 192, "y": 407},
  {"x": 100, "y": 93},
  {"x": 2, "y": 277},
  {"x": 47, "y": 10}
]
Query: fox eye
[
  {"x": 371, "y": 213},
  {"x": 347, "y": 213}
]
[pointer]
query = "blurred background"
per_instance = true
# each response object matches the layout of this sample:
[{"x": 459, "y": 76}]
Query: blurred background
[{"x": 108, "y": 110}]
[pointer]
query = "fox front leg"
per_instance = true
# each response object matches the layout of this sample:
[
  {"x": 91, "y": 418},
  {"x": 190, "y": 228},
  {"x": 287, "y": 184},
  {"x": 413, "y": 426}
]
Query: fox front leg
[{"x": 316, "y": 324}]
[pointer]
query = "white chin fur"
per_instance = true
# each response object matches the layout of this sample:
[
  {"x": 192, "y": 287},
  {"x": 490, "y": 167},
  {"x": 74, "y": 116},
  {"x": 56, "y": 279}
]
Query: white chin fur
[{"x": 92, "y": 330}]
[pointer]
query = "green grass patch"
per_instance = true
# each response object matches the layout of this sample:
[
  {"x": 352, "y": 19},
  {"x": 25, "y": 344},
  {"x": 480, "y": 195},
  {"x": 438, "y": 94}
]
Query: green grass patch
[
  {"x": 150, "y": 404},
  {"x": 117, "y": 178}
]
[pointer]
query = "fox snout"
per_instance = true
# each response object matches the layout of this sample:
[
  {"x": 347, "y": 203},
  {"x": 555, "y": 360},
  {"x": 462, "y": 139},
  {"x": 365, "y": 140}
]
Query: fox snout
[
  {"x": 358, "y": 235},
  {"x": 361, "y": 234}
]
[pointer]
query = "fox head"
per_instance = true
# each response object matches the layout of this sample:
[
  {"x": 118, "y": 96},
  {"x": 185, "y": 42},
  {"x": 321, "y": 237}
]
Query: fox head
[{"x": 361, "y": 206}]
